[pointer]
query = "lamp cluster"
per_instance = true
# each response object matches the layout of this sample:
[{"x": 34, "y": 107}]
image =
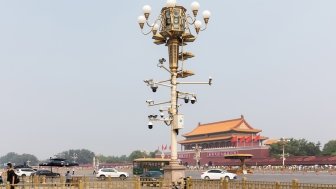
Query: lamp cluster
[{"x": 173, "y": 21}]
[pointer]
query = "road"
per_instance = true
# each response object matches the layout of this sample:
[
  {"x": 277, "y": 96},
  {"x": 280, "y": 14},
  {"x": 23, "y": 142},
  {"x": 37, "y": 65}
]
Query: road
[
  {"x": 302, "y": 177},
  {"x": 310, "y": 177}
]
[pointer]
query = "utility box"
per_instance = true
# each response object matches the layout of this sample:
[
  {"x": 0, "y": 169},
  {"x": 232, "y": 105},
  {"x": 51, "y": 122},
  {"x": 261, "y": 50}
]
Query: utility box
[{"x": 178, "y": 121}]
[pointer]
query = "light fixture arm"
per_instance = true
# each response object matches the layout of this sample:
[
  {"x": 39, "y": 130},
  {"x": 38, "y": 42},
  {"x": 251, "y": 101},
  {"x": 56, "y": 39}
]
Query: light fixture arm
[
  {"x": 192, "y": 19},
  {"x": 160, "y": 65},
  {"x": 151, "y": 26},
  {"x": 187, "y": 83},
  {"x": 167, "y": 121},
  {"x": 185, "y": 93},
  {"x": 155, "y": 104}
]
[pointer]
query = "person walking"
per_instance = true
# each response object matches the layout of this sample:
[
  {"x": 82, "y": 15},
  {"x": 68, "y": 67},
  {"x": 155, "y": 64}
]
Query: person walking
[
  {"x": 67, "y": 178},
  {"x": 11, "y": 175}
]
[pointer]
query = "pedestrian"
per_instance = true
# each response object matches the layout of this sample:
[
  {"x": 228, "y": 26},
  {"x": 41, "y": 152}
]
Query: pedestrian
[
  {"x": 67, "y": 178},
  {"x": 73, "y": 171},
  {"x": 94, "y": 171},
  {"x": 11, "y": 176}
]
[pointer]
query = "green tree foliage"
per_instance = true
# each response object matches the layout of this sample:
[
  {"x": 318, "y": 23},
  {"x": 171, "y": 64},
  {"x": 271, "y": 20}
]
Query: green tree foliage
[
  {"x": 152, "y": 154},
  {"x": 329, "y": 148},
  {"x": 18, "y": 159},
  {"x": 112, "y": 159},
  {"x": 81, "y": 156},
  {"x": 138, "y": 154},
  {"x": 294, "y": 147},
  {"x": 121, "y": 159}
]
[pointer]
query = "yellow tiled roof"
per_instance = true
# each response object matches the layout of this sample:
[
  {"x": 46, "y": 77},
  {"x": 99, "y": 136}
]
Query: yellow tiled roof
[
  {"x": 271, "y": 141},
  {"x": 239, "y": 125}
]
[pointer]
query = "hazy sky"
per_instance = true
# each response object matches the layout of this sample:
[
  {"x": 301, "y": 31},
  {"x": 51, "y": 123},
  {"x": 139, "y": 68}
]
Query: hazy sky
[{"x": 71, "y": 73}]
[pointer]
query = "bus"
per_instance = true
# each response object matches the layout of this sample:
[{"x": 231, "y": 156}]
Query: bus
[{"x": 142, "y": 165}]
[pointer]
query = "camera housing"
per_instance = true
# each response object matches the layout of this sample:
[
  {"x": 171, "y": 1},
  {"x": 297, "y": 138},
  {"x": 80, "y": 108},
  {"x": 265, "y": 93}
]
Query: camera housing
[
  {"x": 154, "y": 88},
  {"x": 162, "y": 60},
  {"x": 193, "y": 100},
  {"x": 150, "y": 125}
]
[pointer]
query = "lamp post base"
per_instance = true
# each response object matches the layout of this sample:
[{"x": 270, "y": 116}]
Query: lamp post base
[{"x": 174, "y": 172}]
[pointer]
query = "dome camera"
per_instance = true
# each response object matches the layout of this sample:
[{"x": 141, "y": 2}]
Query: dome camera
[
  {"x": 186, "y": 99},
  {"x": 161, "y": 115},
  {"x": 154, "y": 88},
  {"x": 193, "y": 100},
  {"x": 150, "y": 125},
  {"x": 162, "y": 60}
]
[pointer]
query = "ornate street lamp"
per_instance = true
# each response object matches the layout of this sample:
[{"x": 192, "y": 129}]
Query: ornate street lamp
[
  {"x": 173, "y": 28},
  {"x": 283, "y": 141},
  {"x": 197, "y": 157}
]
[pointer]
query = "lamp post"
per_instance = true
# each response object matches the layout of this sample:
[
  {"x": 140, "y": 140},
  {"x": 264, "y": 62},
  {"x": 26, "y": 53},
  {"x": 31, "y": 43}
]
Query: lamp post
[
  {"x": 197, "y": 157},
  {"x": 283, "y": 142},
  {"x": 74, "y": 157},
  {"x": 173, "y": 28}
]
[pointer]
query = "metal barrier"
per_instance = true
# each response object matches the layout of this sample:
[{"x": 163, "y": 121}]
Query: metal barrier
[{"x": 136, "y": 183}]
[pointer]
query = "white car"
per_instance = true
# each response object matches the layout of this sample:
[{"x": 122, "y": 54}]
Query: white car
[
  {"x": 218, "y": 174},
  {"x": 24, "y": 172},
  {"x": 111, "y": 172}
]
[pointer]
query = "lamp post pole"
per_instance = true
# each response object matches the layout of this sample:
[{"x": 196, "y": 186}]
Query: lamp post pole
[
  {"x": 172, "y": 28},
  {"x": 197, "y": 155},
  {"x": 173, "y": 47},
  {"x": 283, "y": 155},
  {"x": 283, "y": 142}
]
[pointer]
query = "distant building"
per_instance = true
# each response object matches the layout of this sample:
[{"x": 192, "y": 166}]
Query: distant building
[{"x": 222, "y": 138}]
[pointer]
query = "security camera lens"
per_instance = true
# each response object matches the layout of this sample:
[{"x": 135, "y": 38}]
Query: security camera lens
[
  {"x": 186, "y": 100},
  {"x": 193, "y": 101},
  {"x": 150, "y": 126},
  {"x": 154, "y": 89}
]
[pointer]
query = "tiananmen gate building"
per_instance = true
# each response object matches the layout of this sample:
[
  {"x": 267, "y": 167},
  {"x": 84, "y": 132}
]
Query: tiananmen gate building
[
  {"x": 222, "y": 138},
  {"x": 219, "y": 139}
]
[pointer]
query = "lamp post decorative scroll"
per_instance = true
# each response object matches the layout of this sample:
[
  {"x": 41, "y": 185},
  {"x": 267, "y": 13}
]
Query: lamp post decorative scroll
[{"x": 173, "y": 27}]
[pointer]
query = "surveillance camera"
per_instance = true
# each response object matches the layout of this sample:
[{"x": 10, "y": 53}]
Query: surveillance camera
[
  {"x": 210, "y": 80},
  {"x": 186, "y": 99},
  {"x": 193, "y": 100},
  {"x": 161, "y": 115},
  {"x": 150, "y": 125},
  {"x": 162, "y": 60},
  {"x": 149, "y": 101},
  {"x": 154, "y": 88}
]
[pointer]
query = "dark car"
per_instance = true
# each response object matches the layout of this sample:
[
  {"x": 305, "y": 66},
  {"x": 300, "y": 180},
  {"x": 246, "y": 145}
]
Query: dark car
[
  {"x": 151, "y": 175},
  {"x": 58, "y": 162},
  {"x": 151, "y": 178},
  {"x": 46, "y": 173}
]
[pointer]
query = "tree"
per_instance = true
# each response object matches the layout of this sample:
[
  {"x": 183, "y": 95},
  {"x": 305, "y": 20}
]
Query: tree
[
  {"x": 112, "y": 159},
  {"x": 152, "y": 154},
  {"x": 300, "y": 147},
  {"x": 18, "y": 159},
  {"x": 137, "y": 154},
  {"x": 81, "y": 156},
  {"x": 329, "y": 148}
]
